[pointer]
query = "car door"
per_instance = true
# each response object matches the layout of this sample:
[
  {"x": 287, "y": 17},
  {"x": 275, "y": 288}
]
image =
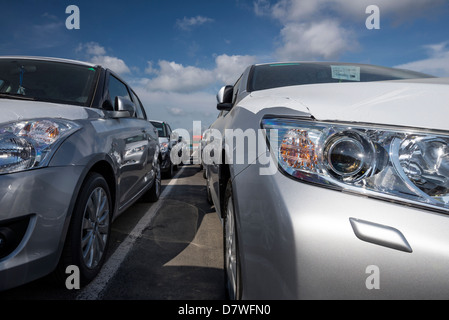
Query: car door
[
  {"x": 131, "y": 138},
  {"x": 151, "y": 134},
  {"x": 220, "y": 125}
]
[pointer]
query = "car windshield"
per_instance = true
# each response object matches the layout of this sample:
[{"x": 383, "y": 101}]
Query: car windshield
[
  {"x": 160, "y": 128},
  {"x": 46, "y": 81},
  {"x": 291, "y": 74}
]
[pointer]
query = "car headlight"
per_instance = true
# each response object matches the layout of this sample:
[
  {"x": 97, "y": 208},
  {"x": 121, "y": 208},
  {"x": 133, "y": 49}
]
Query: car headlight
[
  {"x": 164, "y": 147},
  {"x": 29, "y": 144},
  {"x": 397, "y": 164}
]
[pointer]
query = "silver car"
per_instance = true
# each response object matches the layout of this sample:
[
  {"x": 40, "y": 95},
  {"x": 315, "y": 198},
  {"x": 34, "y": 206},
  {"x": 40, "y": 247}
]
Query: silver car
[
  {"x": 332, "y": 182},
  {"x": 76, "y": 150},
  {"x": 167, "y": 140}
]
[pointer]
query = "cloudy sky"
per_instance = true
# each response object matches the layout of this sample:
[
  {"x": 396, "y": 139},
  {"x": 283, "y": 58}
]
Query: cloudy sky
[{"x": 178, "y": 53}]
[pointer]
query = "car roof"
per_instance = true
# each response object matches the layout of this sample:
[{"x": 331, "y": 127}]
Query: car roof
[{"x": 87, "y": 64}]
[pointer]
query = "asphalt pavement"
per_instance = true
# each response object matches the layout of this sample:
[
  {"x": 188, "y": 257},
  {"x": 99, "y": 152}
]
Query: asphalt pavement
[{"x": 169, "y": 250}]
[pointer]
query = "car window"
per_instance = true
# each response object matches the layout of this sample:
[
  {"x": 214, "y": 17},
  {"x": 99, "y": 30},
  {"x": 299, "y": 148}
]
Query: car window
[
  {"x": 292, "y": 74},
  {"x": 140, "y": 113},
  {"x": 50, "y": 81},
  {"x": 117, "y": 89},
  {"x": 160, "y": 128},
  {"x": 236, "y": 90}
]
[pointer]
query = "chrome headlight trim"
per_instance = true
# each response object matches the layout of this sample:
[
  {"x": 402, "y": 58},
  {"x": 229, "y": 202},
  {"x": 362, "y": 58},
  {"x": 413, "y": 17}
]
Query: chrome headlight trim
[
  {"x": 30, "y": 144},
  {"x": 386, "y": 169}
]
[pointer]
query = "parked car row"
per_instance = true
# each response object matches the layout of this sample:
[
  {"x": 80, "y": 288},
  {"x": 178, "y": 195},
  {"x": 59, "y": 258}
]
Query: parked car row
[
  {"x": 329, "y": 178},
  {"x": 76, "y": 150},
  {"x": 167, "y": 140},
  {"x": 342, "y": 191}
]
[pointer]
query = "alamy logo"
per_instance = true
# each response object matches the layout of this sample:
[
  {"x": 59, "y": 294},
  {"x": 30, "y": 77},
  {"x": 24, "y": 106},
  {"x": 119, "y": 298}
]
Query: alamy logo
[
  {"x": 73, "y": 280},
  {"x": 373, "y": 21},
  {"x": 73, "y": 20},
  {"x": 373, "y": 280}
]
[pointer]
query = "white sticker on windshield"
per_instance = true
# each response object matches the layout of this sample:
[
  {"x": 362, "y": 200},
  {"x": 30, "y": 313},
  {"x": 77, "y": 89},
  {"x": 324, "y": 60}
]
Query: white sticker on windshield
[{"x": 350, "y": 73}]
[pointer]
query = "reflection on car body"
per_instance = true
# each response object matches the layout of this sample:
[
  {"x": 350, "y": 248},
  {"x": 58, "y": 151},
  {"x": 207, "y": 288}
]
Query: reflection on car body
[
  {"x": 359, "y": 180},
  {"x": 76, "y": 150},
  {"x": 134, "y": 150},
  {"x": 167, "y": 140}
]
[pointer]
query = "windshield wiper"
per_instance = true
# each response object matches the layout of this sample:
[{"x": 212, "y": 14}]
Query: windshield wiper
[{"x": 16, "y": 96}]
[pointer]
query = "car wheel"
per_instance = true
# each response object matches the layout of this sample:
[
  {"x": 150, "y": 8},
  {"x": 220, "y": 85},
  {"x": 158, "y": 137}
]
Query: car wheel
[
  {"x": 153, "y": 194},
  {"x": 90, "y": 228},
  {"x": 231, "y": 249},
  {"x": 170, "y": 172}
]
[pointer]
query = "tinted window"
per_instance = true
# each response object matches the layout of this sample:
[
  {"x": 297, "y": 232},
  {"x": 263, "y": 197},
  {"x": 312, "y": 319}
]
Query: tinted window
[
  {"x": 290, "y": 74},
  {"x": 140, "y": 113},
  {"x": 169, "y": 131},
  {"x": 160, "y": 128},
  {"x": 47, "y": 81},
  {"x": 117, "y": 89}
]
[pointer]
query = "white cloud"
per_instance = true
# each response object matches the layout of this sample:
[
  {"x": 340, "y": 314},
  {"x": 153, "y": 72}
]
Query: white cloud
[
  {"x": 179, "y": 109},
  {"x": 436, "y": 63},
  {"x": 324, "y": 29},
  {"x": 150, "y": 69},
  {"x": 308, "y": 41},
  {"x": 95, "y": 53},
  {"x": 229, "y": 68},
  {"x": 180, "y": 94},
  {"x": 188, "y": 23},
  {"x": 261, "y": 7},
  {"x": 310, "y": 10},
  {"x": 93, "y": 48},
  {"x": 172, "y": 76},
  {"x": 115, "y": 64}
]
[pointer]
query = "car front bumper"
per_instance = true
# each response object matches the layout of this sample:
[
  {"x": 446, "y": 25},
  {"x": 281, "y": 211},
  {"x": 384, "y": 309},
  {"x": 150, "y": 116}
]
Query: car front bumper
[
  {"x": 297, "y": 242},
  {"x": 165, "y": 165},
  {"x": 43, "y": 200}
]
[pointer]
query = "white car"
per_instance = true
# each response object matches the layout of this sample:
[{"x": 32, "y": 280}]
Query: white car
[{"x": 332, "y": 181}]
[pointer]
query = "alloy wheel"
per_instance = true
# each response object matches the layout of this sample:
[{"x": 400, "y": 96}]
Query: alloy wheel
[
  {"x": 231, "y": 251},
  {"x": 95, "y": 227}
]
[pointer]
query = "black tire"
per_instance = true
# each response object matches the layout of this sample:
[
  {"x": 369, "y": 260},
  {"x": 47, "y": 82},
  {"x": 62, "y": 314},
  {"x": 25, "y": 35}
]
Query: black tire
[
  {"x": 153, "y": 194},
  {"x": 89, "y": 231},
  {"x": 170, "y": 173},
  {"x": 233, "y": 279}
]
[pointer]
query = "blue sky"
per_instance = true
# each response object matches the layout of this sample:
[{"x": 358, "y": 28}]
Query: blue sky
[{"x": 177, "y": 53}]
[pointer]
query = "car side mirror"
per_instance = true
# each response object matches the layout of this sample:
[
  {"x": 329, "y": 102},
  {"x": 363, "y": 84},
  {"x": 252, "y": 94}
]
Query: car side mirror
[
  {"x": 224, "y": 98},
  {"x": 124, "y": 108}
]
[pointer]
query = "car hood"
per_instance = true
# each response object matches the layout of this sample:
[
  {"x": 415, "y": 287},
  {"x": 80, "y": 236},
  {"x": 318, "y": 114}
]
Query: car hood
[
  {"x": 16, "y": 110},
  {"x": 422, "y": 103}
]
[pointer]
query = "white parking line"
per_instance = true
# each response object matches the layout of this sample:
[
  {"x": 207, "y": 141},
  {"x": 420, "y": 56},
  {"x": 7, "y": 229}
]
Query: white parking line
[{"x": 94, "y": 290}]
